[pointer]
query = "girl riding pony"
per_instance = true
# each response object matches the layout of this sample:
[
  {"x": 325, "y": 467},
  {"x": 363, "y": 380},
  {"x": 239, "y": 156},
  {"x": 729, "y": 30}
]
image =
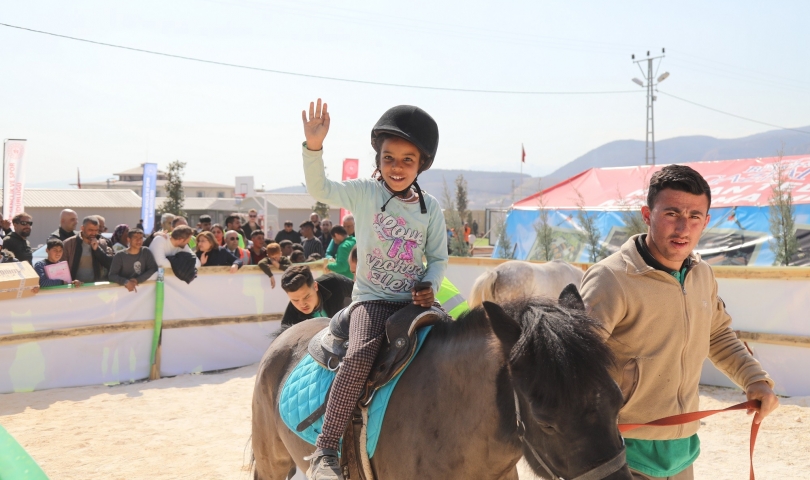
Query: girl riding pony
[{"x": 396, "y": 226}]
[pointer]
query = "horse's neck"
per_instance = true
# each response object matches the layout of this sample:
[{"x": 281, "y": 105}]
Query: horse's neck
[{"x": 470, "y": 373}]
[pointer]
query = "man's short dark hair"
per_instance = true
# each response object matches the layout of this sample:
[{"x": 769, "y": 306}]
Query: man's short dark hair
[
  {"x": 297, "y": 257},
  {"x": 205, "y": 218},
  {"x": 256, "y": 232},
  {"x": 284, "y": 243},
  {"x": 19, "y": 217},
  {"x": 177, "y": 220},
  {"x": 339, "y": 230},
  {"x": 91, "y": 220},
  {"x": 230, "y": 218},
  {"x": 298, "y": 247},
  {"x": 678, "y": 177},
  {"x": 133, "y": 232},
  {"x": 308, "y": 223},
  {"x": 53, "y": 243},
  {"x": 288, "y": 223},
  {"x": 314, "y": 257},
  {"x": 296, "y": 277},
  {"x": 182, "y": 232}
]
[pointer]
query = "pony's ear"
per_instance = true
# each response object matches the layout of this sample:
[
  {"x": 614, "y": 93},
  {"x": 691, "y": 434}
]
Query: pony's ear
[
  {"x": 505, "y": 327},
  {"x": 570, "y": 298}
]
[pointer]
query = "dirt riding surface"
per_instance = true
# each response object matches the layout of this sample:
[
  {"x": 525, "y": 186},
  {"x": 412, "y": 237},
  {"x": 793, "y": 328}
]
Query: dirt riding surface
[{"x": 197, "y": 426}]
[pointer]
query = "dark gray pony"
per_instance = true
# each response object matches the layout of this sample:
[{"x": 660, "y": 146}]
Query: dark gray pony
[{"x": 529, "y": 379}]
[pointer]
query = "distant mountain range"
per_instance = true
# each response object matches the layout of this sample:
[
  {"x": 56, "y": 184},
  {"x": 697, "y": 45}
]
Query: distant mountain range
[
  {"x": 485, "y": 189},
  {"x": 497, "y": 190},
  {"x": 501, "y": 189},
  {"x": 624, "y": 153}
]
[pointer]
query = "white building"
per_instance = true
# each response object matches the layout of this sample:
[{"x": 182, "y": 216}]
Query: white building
[
  {"x": 132, "y": 179},
  {"x": 45, "y": 205}
]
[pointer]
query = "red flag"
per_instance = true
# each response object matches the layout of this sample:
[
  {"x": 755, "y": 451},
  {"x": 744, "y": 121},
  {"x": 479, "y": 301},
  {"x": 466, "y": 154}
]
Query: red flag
[
  {"x": 523, "y": 156},
  {"x": 350, "y": 168}
]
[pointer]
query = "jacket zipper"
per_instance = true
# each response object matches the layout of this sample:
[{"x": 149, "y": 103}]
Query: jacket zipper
[{"x": 683, "y": 353}]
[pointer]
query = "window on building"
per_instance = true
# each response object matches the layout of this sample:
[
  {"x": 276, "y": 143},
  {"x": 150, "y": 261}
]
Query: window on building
[
  {"x": 220, "y": 194},
  {"x": 200, "y": 194}
]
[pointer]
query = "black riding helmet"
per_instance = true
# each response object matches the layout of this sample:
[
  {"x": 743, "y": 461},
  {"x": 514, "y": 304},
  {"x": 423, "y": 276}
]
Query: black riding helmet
[{"x": 416, "y": 126}]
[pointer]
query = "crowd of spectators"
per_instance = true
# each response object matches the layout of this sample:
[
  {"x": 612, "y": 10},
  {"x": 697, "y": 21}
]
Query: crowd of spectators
[{"x": 80, "y": 253}]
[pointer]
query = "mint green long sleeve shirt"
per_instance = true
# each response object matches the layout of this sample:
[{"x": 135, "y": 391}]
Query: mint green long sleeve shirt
[{"x": 391, "y": 245}]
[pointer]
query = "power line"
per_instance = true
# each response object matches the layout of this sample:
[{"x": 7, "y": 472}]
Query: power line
[
  {"x": 731, "y": 114},
  {"x": 320, "y": 77}
]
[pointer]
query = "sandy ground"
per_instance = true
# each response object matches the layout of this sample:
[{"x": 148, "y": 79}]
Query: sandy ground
[{"x": 197, "y": 426}]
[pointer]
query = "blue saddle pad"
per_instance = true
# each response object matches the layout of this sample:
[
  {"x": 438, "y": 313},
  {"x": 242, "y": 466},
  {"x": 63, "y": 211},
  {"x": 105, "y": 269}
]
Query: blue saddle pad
[{"x": 305, "y": 390}]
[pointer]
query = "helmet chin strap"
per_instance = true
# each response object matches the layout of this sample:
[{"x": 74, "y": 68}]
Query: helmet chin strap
[{"x": 422, "y": 205}]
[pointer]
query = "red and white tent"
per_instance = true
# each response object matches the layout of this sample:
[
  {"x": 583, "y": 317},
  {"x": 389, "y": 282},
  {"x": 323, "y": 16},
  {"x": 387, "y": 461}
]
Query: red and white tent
[{"x": 739, "y": 183}]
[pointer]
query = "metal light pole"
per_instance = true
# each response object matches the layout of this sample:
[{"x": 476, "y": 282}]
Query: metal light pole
[{"x": 649, "y": 153}]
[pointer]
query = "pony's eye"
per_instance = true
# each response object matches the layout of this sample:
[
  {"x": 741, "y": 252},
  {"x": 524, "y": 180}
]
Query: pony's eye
[{"x": 548, "y": 429}]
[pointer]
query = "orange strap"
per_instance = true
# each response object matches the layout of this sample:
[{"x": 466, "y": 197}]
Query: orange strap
[{"x": 694, "y": 416}]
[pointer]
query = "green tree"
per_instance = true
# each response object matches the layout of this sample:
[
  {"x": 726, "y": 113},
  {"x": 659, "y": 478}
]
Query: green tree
[
  {"x": 453, "y": 220},
  {"x": 631, "y": 213},
  {"x": 321, "y": 209},
  {"x": 590, "y": 233},
  {"x": 461, "y": 197},
  {"x": 174, "y": 190},
  {"x": 783, "y": 215},
  {"x": 506, "y": 249},
  {"x": 545, "y": 232}
]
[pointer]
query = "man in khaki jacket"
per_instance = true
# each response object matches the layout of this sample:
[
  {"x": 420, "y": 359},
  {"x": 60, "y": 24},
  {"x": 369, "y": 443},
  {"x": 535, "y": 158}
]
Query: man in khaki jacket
[{"x": 658, "y": 302}]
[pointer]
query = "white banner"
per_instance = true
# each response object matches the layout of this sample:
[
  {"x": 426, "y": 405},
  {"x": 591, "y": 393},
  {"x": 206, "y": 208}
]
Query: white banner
[{"x": 13, "y": 178}]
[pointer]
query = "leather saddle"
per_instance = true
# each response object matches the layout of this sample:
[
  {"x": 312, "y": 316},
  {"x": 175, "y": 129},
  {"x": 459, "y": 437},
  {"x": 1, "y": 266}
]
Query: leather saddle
[{"x": 329, "y": 346}]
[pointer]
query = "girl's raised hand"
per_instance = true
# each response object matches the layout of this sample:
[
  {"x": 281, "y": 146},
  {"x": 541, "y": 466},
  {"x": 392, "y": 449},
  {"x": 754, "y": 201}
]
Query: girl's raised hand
[{"x": 316, "y": 125}]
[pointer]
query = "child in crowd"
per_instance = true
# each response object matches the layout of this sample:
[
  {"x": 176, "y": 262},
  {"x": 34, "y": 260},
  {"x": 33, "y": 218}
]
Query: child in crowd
[
  {"x": 54, "y": 249},
  {"x": 397, "y": 225},
  {"x": 275, "y": 260},
  {"x": 297, "y": 257},
  {"x": 135, "y": 265},
  {"x": 345, "y": 244}
]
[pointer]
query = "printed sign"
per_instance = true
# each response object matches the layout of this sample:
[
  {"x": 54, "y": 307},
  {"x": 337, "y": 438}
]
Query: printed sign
[
  {"x": 13, "y": 177},
  {"x": 350, "y": 168},
  {"x": 148, "y": 191}
]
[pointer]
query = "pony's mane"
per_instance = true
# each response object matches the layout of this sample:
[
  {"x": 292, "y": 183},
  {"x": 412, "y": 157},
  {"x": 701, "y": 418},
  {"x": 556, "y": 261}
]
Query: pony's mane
[{"x": 561, "y": 357}]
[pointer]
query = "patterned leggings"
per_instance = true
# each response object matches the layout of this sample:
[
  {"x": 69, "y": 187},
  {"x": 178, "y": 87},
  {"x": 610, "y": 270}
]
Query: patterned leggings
[{"x": 366, "y": 334}]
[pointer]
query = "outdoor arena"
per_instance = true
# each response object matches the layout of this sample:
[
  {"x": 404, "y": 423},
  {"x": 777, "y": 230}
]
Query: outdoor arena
[{"x": 73, "y": 394}]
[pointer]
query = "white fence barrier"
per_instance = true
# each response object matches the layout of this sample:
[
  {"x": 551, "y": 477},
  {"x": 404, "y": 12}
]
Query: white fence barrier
[{"x": 234, "y": 316}]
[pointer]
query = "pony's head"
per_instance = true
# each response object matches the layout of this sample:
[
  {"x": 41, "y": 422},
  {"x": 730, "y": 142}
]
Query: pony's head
[{"x": 559, "y": 367}]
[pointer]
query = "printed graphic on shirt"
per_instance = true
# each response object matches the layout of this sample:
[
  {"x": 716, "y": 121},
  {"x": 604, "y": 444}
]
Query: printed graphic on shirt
[
  {"x": 395, "y": 267},
  {"x": 137, "y": 267}
]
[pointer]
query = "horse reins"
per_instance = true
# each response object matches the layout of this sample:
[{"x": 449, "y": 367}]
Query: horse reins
[
  {"x": 616, "y": 463},
  {"x": 694, "y": 416}
]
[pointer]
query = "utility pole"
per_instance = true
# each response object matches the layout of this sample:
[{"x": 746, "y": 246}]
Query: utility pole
[{"x": 650, "y": 84}]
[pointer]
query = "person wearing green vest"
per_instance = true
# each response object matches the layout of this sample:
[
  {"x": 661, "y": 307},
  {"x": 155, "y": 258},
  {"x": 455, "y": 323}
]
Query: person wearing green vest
[
  {"x": 451, "y": 299},
  {"x": 345, "y": 245},
  {"x": 658, "y": 303}
]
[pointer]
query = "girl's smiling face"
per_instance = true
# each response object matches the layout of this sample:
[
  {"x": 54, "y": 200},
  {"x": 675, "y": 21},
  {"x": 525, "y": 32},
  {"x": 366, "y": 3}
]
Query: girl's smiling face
[{"x": 399, "y": 163}]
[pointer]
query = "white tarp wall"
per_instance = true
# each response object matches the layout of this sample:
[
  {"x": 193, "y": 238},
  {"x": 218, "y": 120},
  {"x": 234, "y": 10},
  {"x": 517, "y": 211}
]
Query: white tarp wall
[
  {"x": 124, "y": 356},
  {"x": 769, "y": 301}
]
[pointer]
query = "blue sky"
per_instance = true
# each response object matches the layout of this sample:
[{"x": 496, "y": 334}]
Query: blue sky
[{"x": 104, "y": 110}]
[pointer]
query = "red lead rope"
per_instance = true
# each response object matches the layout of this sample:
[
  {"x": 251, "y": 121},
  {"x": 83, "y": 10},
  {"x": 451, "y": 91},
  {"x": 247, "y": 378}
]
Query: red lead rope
[{"x": 694, "y": 416}]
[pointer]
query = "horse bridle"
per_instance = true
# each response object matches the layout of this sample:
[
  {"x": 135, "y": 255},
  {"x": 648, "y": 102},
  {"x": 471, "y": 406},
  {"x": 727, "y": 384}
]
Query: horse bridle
[{"x": 598, "y": 473}]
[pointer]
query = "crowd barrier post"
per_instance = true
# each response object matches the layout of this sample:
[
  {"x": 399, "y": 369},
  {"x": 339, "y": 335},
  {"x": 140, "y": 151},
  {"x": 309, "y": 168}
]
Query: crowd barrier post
[{"x": 157, "y": 335}]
